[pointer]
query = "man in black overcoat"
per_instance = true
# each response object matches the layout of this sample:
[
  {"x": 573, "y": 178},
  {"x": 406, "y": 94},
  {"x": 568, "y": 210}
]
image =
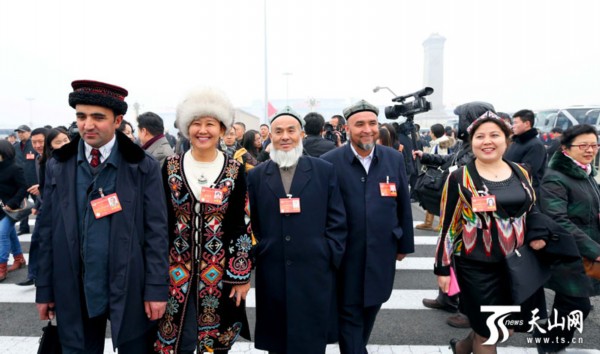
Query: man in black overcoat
[
  {"x": 299, "y": 221},
  {"x": 374, "y": 187},
  {"x": 99, "y": 260}
]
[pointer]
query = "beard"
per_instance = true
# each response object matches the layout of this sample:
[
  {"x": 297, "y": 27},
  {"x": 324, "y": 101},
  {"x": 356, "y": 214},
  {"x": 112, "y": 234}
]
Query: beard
[
  {"x": 364, "y": 147},
  {"x": 285, "y": 159}
]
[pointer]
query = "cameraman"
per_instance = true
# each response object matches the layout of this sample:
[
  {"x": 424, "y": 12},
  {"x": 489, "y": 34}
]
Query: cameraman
[
  {"x": 338, "y": 124},
  {"x": 314, "y": 143}
]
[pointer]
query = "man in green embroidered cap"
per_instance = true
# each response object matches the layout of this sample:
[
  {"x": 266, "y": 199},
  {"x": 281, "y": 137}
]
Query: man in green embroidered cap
[{"x": 374, "y": 187}]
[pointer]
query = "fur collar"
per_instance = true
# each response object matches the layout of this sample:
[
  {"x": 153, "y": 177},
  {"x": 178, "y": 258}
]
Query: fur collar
[
  {"x": 563, "y": 164},
  {"x": 528, "y": 135},
  {"x": 130, "y": 151}
]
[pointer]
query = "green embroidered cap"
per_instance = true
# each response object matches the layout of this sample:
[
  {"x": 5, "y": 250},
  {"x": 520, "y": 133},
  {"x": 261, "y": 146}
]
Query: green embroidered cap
[
  {"x": 288, "y": 111},
  {"x": 360, "y": 106}
]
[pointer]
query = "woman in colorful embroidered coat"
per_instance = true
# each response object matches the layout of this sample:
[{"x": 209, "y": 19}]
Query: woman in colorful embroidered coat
[
  {"x": 209, "y": 236},
  {"x": 478, "y": 242}
]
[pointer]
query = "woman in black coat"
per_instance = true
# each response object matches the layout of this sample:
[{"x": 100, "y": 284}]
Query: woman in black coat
[{"x": 12, "y": 192}]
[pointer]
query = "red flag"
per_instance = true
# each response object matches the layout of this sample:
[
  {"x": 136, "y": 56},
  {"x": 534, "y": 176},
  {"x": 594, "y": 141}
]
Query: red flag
[{"x": 271, "y": 110}]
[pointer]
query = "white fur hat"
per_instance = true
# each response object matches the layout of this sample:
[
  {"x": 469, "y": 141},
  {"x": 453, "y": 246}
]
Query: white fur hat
[{"x": 208, "y": 102}]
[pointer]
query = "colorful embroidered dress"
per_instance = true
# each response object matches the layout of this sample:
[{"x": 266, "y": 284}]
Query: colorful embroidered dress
[
  {"x": 488, "y": 236},
  {"x": 209, "y": 245}
]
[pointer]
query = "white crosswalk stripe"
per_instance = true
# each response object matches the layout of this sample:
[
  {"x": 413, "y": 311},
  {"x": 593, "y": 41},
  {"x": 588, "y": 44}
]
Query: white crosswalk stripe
[
  {"x": 22, "y": 345},
  {"x": 400, "y": 299}
]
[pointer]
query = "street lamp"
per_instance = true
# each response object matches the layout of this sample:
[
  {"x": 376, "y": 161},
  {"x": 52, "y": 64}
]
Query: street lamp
[
  {"x": 377, "y": 88},
  {"x": 287, "y": 87},
  {"x": 30, "y": 100},
  {"x": 312, "y": 103},
  {"x": 266, "y": 116},
  {"x": 136, "y": 108}
]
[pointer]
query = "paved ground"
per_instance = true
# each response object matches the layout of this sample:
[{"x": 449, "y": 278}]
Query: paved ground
[{"x": 404, "y": 325}]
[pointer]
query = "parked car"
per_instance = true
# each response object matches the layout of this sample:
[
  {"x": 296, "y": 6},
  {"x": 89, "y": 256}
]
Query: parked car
[
  {"x": 591, "y": 117},
  {"x": 452, "y": 122},
  {"x": 566, "y": 117},
  {"x": 545, "y": 119}
]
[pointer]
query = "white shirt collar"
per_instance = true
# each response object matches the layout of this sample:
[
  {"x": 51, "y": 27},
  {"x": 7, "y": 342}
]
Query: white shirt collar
[
  {"x": 104, "y": 150},
  {"x": 368, "y": 157},
  {"x": 365, "y": 161}
]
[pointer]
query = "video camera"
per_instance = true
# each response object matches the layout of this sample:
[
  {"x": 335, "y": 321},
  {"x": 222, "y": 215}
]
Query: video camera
[
  {"x": 418, "y": 105},
  {"x": 331, "y": 135},
  {"x": 73, "y": 131},
  {"x": 329, "y": 129}
]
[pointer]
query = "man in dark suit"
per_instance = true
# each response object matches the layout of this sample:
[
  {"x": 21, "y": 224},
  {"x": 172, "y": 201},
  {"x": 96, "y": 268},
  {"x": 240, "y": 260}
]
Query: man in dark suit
[
  {"x": 314, "y": 143},
  {"x": 380, "y": 229},
  {"x": 25, "y": 156},
  {"x": 526, "y": 148},
  {"x": 299, "y": 222},
  {"x": 265, "y": 137},
  {"x": 38, "y": 139},
  {"x": 99, "y": 260},
  {"x": 554, "y": 145},
  {"x": 151, "y": 134}
]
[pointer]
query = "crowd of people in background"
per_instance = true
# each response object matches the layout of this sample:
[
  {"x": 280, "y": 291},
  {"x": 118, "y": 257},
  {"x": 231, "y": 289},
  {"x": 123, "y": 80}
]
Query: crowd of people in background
[{"x": 317, "y": 210}]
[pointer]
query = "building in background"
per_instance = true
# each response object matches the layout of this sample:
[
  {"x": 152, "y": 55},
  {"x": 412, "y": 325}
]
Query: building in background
[
  {"x": 433, "y": 76},
  {"x": 250, "y": 120}
]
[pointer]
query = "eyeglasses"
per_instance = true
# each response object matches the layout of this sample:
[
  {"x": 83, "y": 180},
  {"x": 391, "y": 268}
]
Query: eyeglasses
[{"x": 584, "y": 147}]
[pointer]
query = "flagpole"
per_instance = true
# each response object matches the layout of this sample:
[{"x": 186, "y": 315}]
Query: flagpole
[{"x": 266, "y": 118}]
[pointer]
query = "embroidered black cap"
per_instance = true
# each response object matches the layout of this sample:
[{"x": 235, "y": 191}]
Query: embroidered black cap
[{"x": 98, "y": 94}]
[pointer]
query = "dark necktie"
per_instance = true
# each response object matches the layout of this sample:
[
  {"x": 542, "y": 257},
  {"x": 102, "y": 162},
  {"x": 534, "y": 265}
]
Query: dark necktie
[{"x": 95, "y": 158}]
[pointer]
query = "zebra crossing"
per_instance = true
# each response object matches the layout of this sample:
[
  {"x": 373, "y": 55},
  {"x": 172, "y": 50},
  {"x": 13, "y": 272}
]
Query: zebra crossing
[{"x": 404, "y": 325}]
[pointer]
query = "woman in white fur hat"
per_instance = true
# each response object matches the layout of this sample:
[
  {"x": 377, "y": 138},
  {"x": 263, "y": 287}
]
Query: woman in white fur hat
[{"x": 209, "y": 234}]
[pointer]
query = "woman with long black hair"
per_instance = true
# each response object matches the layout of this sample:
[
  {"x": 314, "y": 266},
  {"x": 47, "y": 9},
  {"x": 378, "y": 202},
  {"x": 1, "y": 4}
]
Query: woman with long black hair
[{"x": 55, "y": 139}]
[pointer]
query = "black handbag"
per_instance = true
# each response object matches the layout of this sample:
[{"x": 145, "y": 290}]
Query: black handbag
[
  {"x": 49, "y": 341},
  {"x": 433, "y": 178},
  {"x": 429, "y": 186},
  {"x": 527, "y": 273},
  {"x": 21, "y": 213}
]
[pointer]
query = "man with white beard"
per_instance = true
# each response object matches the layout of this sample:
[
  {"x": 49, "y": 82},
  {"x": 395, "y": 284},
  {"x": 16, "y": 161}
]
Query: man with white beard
[{"x": 299, "y": 221}]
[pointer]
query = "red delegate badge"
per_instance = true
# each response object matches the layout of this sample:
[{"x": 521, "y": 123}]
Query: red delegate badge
[
  {"x": 484, "y": 203},
  {"x": 211, "y": 196},
  {"x": 289, "y": 205},
  {"x": 388, "y": 189},
  {"x": 106, "y": 205}
]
